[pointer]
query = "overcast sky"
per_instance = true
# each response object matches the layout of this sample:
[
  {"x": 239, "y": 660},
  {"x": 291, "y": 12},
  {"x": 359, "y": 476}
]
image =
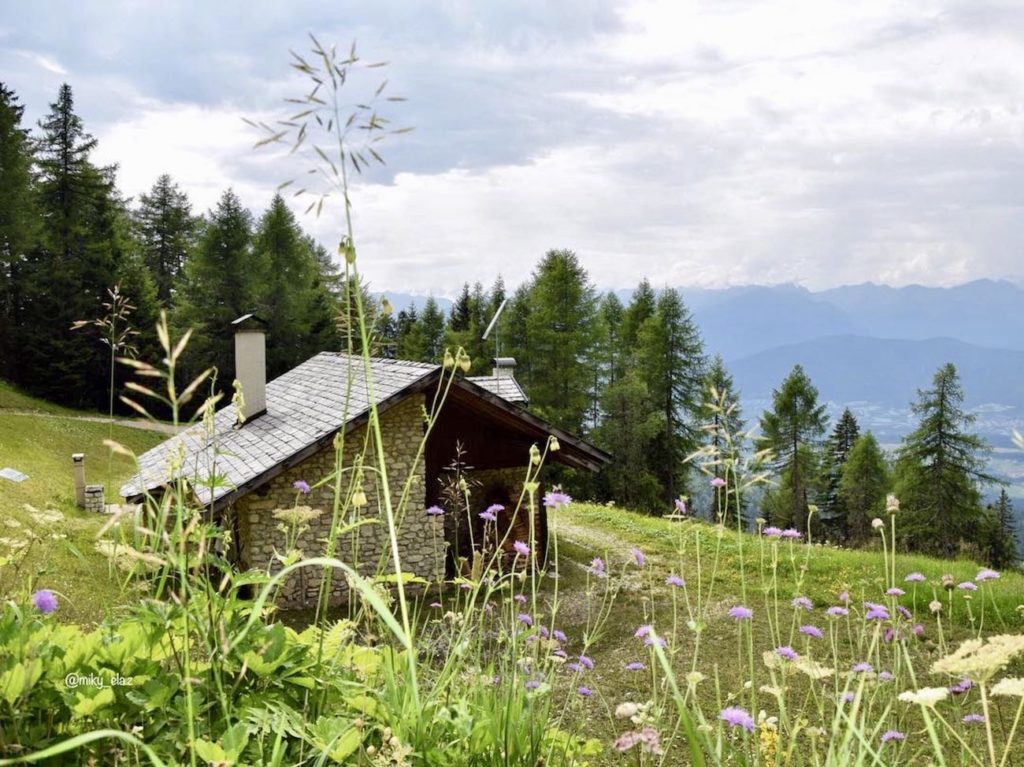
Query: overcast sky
[{"x": 698, "y": 143}]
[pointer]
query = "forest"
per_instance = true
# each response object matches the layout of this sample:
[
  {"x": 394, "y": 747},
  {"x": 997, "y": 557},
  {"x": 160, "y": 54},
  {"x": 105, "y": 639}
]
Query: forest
[{"x": 85, "y": 271}]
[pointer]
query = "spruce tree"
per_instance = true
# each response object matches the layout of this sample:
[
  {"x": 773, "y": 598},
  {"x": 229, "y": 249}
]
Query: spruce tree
[
  {"x": 641, "y": 308},
  {"x": 514, "y": 339},
  {"x": 862, "y": 488},
  {"x": 939, "y": 470},
  {"x": 223, "y": 281},
  {"x": 432, "y": 323},
  {"x": 66, "y": 278},
  {"x": 837, "y": 448},
  {"x": 671, "y": 360},
  {"x": 18, "y": 222},
  {"x": 1000, "y": 543},
  {"x": 721, "y": 419},
  {"x": 409, "y": 344},
  {"x": 792, "y": 430},
  {"x": 626, "y": 431},
  {"x": 166, "y": 231}
]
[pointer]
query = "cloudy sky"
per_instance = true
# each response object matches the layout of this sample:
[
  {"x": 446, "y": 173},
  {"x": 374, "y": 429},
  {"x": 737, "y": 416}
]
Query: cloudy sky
[{"x": 700, "y": 143}]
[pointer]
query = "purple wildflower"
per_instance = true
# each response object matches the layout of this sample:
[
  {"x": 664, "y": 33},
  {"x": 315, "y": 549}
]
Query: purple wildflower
[
  {"x": 643, "y": 631},
  {"x": 844, "y": 597},
  {"x": 741, "y": 613},
  {"x": 986, "y": 575},
  {"x": 574, "y": 667},
  {"x": 862, "y": 668},
  {"x": 586, "y": 662},
  {"x": 919, "y": 629},
  {"x": 812, "y": 631},
  {"x": 892, "y": 735},
  {"x": 771, "y": 532},
  {"x": 735, "y": 716},
  {"x": 520, "y": 598},
  {"x": 875, "y": 612},
  {"x": 915, "y": 578},
  {"x": 675, "y": 580},
  {"x": 560, "y": 653},
  {"x": 302, "y": 486},
  {"x": 559, "y": 635},
  {"x": 597, "y": 566},
  {"x": 838, "y": 612},
  {"x": 848, "y": 697},
  {"x": 791, "y": 534},
  {"x": 885, "y": 676},
  {"x": 638, "y": 555},
  {"x": 964, "y": 685},
  {"x": 490, "y": 514},
  {"x": 974, "y": 719},
  {"x": 635, "y": 666},
  {"x": 435, "y": 511},
  {"x": 436, "y": 605},
  {"x": 525, "y": 619},
  {"x": 904, "y": 612},
  {"x": 521, "y": 549},
  {"x": 586, "y": 692},
  {"x": 543, "y": 631},
  {"x": 787, "y": 652},
  {"x": 717, "y": 482},
  {"x": 45, "y": 601},
  {"x": 895, "y": 592},
  {"x": 681, "y": 508},
  {"x": 556, "y": 499},
  {"x": 532, "y": 684},
  {"x": 803, "y": 602},
  {"x": 967, "y": 586},
  {"x": 649, "y": 641}
]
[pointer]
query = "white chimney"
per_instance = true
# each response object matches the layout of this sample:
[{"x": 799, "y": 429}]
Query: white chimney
[
  {"x": 504, "y": 367},
  {"x": 251, "y": 363}
]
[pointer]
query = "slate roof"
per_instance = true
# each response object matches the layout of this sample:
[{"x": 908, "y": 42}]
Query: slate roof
[
  {"x": 504, "y": 386},
  {"x": 306, "y": 405}
]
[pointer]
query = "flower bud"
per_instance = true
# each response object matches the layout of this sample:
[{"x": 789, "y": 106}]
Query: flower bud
[
  {"x": 948, "y": 582},
  {"x": 935, "y": 606},
  {"x": 449, "y": 360},
  {"x": 348, "y": 250},
  {"x": 359, "y": 499},
  {"x": 535, "y": 455},
  {"x": 553, "y": 445},
  {"x": 892, "y": 503},
  {"x": 877, "y": 524}
]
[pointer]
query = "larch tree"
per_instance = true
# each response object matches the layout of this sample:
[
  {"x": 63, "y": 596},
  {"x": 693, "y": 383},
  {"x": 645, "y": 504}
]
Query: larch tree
[
  {"x": 166, "y": 231},
  {"x": 862, "y": 488},
  {"x": 432, "y": 323},
  {"x": 792, "y": 430}
]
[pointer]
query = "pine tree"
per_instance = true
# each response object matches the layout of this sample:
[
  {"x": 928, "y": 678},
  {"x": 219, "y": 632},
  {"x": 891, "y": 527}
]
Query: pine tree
[
  {"x": 167, "y": 232},
  {"x": 514, "y": 339},
  {"x": 608, "y": 362},
  {"x": 837, "y": 448},
  {"x": 560, "y": 331},
  {"x": 410, "y": 344},
  {"x": 626, "y": 431},
  {"x": 999, "y": 537},
  {"x": 223, "y": 281},
  {"x": 324, "y": 309},
  {"x": 459, "y": 317},
  {"x": 861, "y": 490},
  {"x": 641, "y": 308},
  {"x": 432, "y": 323},
  {"x": 939, "y": 469},
  {"x": 671, "y": 360},
  {"x": 66, "y": 278},
  {"x": 792, "y": 430},
  {"x": 721, "y": 418},
  {"x": 18, "y": 228}
]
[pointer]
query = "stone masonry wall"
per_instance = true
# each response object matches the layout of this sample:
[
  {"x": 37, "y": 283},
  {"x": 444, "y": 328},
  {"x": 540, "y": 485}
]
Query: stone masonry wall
[{"x": 421, "y": 537}]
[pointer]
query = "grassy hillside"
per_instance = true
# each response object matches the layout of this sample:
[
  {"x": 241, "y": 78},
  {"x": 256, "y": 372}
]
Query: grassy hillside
[{"x": 59, "y": 538}]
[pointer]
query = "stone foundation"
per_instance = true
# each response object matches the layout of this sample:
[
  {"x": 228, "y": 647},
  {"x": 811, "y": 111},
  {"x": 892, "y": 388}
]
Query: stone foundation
[
  {"x": 420, "y": 536},
  {"x": 94, "y": 500}
]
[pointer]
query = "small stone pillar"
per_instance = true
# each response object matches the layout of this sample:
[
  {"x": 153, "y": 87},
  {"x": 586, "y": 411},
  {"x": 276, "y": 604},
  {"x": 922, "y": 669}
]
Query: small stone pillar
[
  {"x": 78, "y": 461},
  {"x": 94, "y": 500}
]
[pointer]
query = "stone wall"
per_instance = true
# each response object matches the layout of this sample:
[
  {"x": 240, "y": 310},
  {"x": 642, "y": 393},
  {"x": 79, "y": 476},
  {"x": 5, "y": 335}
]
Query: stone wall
[{"x": 421, "y": 537}]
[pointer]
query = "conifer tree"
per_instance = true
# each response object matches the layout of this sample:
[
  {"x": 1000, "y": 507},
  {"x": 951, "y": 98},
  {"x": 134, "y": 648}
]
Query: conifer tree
[
  {"x": 837, "y": 448},
  {"x": 410, "y": 344},
  {"x": 641, "y": 308},
  {"x": 167, "y": 233},
  {"x": 432, "y": 323},
  {"x": 861, "y": 491},
  {"x": 626, "y": 431},
  {"x": 671, "y": 360},
  {"x": 1000, "y": 542},
  {"x": 940, "y": 468},
  {"x": 792, "y": 430},
  {"x": 18, "y": 222}
]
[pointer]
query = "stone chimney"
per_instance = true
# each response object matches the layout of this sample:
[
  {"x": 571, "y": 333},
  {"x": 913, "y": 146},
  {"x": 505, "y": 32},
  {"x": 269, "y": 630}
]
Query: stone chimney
[
  {"x": 504, "y": 367},
  {"x": 78, "y": 461},
  {"x": 251, "y": 363}
]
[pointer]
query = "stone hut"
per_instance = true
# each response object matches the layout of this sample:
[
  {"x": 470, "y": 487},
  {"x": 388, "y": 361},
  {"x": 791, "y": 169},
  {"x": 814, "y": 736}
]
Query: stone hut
[{"x": 245, "y": 471}]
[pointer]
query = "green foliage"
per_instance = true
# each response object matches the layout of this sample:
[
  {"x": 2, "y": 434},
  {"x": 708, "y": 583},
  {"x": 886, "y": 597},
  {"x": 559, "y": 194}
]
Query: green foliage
[
  {"x": 791, "y": 430},
  {"x": 940, "y": 467},
  {"x": 863, "y": 484},
  {"x": 721, "y": 419},
  {"x": 837, "y": 450},
  {"x": 166, "y": 232}
]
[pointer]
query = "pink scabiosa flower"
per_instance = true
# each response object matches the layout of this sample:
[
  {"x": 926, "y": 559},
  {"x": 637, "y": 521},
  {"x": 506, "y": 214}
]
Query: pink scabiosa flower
[
  {"x": 302, "y": 486},
  {"x": 862, "y": 668},
  {"x": 521, "y": 549},
  {"x": 525, "y": 619},
  {"x": 895, "y": 592},
  {"x": 741, "y": 613},
  {"x": 559, "y": 635},
  {"x": 904, "y": 612},
  {"x": 735, "y": 716},
  {"x": 717, "y": 483},
  {"x": 597, "y": 566},
  {"x": 885, "y": 676},
  {"x": 771, "y": 532},
  {"x": 532, "y": 684},
  {"x": 915, "y": 577},
  {"x": 964, "y": 685},
  {"x": 638, "y": 555},
  {"x": 45, "y": 601},
  {"x": 974, "y": 719},
  {"x": 844, "y": 597},
  {"x": 849, "y": 697},
  {"x": 675, "y": 580},
  {"x": 635, "y": 666},
  {"x": 435, "y": 605},
  {"x": 681, "y": 508},
  {"x": 435, "y": 511},
  {"x": 490, "y": 514},
  {"x": 520, "y": 598},
  {"x": 586, "y": 662},
  {"x": 967, "y": 586},
  {"x": 803, "y": 602},
  {"x": 556, "y": 500},
  {"x": 574, "y": 667},
  {"x": 892, "y": 735},
  {"x": 643, "y": 631},
  {"x": 787, "y": 652},
  {"x": 986, "y": 575},
  {"x": 584, "y": 691},
  {"x": 650, "y": 639},
  {"x": 812, "y": 631},
  {"x": 791, "y": 533},
  {"x": 875, "y": 612},
  {"x": 838, "y": 612}
]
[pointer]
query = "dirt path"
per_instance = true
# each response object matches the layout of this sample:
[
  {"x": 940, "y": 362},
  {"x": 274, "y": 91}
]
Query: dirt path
[{"x": 131, "y": 423}]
